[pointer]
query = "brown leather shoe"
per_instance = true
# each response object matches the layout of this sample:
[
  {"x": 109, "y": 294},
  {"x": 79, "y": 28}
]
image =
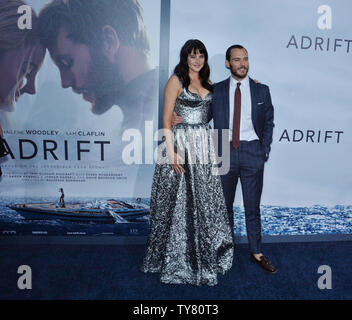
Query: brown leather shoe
[{"x": 264, "y": 263}]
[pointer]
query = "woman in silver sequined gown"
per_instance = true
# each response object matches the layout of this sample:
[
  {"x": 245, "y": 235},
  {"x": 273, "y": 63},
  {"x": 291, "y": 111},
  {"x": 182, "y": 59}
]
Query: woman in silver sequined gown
[{"x": 190, "y": 239}]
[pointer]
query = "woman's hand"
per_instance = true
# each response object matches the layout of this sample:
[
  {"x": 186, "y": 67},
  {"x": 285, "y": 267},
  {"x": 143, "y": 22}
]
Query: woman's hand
[{"x": 177, "y": 163}]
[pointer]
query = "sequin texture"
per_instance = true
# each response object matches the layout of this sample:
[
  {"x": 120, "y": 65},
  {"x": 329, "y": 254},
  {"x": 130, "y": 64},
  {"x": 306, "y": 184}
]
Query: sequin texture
[{"x": 190, "y": 238}]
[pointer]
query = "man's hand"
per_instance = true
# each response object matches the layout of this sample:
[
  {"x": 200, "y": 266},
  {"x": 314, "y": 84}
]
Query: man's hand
[{"x": 175, "y": 119}]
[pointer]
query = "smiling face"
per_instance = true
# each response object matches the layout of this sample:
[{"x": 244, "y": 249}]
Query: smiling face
[
  {"x": 238, "y": 64},
  {"x": 18, "y": 66},
  {"x": 195, "y": 61},
  {"x": 86, "y": 71}
]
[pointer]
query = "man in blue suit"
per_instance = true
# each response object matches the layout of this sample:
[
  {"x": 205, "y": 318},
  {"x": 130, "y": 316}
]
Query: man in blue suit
[
  {"x": 244, "y": 117},
  {"x": 242, "y": 109}
]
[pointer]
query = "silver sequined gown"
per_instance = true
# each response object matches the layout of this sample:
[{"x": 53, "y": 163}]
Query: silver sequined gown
[{"x": 190, "y": 238}]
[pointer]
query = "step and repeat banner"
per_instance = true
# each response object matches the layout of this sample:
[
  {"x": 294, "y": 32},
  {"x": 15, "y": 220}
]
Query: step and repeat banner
[{"x": 81, "y": 149}]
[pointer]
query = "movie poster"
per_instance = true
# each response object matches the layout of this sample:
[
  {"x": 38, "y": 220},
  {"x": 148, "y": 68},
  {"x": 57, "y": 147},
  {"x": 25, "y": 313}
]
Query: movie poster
[{"x": 80, "y": 156}]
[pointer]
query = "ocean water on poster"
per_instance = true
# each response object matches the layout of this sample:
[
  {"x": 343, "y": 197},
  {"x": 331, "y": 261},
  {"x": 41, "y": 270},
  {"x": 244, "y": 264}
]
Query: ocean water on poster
[
  {"x": 276, "y": 220},
  {"x": 11, "y": 220}
]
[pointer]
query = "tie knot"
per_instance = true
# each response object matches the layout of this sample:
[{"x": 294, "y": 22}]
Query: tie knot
[{"x": 238, "y": 84}]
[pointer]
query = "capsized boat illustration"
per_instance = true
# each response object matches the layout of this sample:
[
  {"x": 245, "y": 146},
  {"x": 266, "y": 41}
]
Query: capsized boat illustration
[{"x": 99, "y": 211}]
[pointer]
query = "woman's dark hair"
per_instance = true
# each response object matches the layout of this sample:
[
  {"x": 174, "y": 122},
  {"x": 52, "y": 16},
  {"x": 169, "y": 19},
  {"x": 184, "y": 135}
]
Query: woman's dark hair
[{"x": 181, "y": 70}]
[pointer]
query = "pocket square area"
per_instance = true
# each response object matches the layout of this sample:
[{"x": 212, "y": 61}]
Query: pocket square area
[{"x": 259, "y": 103}]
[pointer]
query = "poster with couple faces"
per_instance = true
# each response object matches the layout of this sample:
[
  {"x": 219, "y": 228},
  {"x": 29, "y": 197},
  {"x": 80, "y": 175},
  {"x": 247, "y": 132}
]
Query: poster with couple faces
[
  {"x": 300, "y": 50},
  {"x": 75, "y": 169}
]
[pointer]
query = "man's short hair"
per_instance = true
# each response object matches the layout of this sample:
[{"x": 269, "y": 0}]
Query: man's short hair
[
  {"x": 235, "y": 46},
  {"x": 84, "y": 21}
]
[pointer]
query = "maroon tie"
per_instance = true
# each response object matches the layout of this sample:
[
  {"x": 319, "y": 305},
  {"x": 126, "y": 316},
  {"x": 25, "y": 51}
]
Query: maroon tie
[{"x": 236, "y": 118}]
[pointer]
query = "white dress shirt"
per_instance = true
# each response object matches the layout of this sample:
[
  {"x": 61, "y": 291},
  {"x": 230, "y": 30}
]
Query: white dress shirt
[{"x": 246, "y": 125}]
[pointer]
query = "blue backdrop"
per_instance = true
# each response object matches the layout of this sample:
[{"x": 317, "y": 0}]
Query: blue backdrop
[{"x": 301, "y": 50}]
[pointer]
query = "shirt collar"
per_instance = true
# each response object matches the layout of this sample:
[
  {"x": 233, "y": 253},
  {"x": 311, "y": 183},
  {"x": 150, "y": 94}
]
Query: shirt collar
[{"x": 244, "y": 82}]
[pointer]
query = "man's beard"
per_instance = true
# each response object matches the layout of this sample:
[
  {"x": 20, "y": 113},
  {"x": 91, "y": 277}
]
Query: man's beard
[
  {"x": 239, "y": 75},
  {"x": 105, "y": 81}
]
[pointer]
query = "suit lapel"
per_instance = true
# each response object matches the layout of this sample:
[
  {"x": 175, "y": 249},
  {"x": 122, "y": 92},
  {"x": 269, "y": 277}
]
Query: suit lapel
[
  {"x": 226, "y": 93},
  {"x": 253, "y": 90}
]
